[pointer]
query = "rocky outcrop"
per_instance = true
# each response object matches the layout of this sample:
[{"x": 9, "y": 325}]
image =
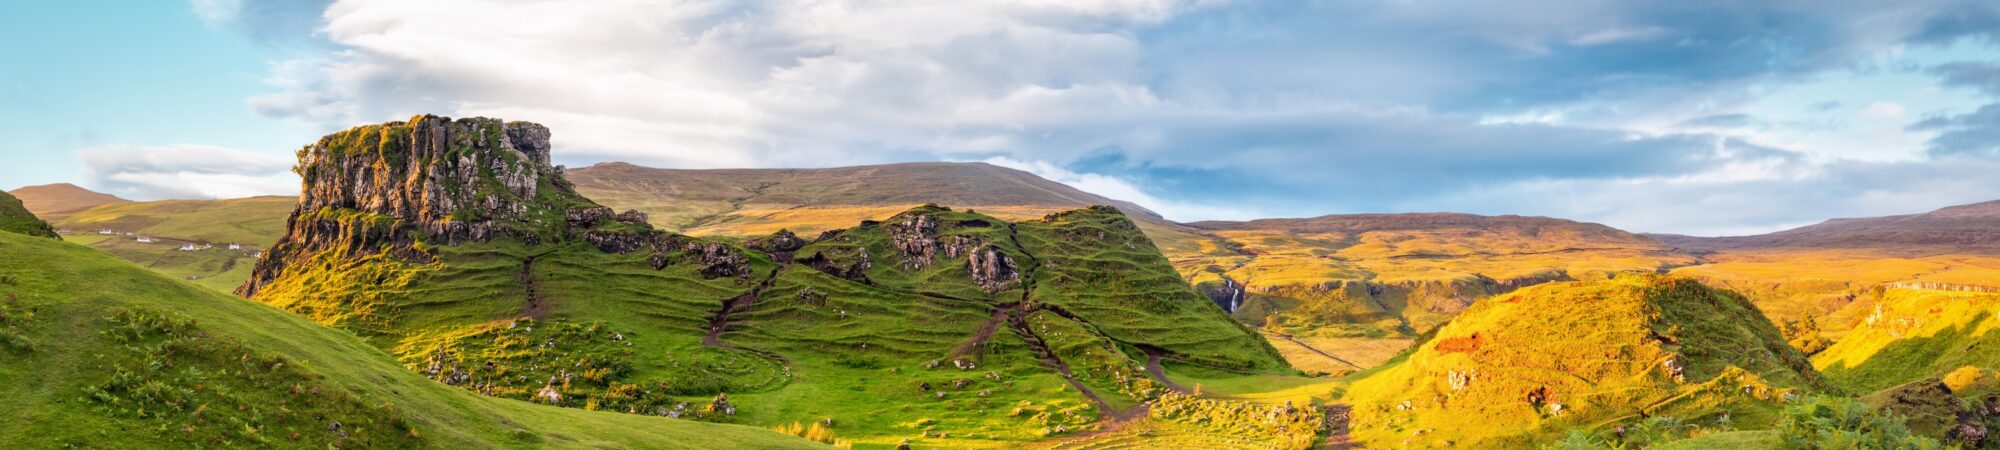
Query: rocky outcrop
[
  {"x": 916, "y": 240},
  {"x": 856, "y": 271},
  {"x": 781, "y": 245},
  {"x": 401, "y": 188},
  {"x": 992, "y": 269},
  {"x": 435, "y": 180}
]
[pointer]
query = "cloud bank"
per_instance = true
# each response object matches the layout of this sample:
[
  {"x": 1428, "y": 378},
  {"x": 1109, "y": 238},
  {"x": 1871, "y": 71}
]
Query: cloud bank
[
  {"x": 186, "y": 171},
  {"x": 1694, "y": 117}
]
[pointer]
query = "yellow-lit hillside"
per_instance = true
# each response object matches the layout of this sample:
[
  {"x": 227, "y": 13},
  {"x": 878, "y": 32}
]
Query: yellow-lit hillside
[{"x": 1517, "y": 369}]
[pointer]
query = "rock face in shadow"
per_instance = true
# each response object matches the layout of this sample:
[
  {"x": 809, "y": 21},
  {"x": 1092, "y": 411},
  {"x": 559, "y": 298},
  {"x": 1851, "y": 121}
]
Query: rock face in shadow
[{"x": 400, "y": 187}]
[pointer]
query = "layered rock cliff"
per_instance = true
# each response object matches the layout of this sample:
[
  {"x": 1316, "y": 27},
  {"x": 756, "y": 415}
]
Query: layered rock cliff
[{"x": 400, "y": 187}]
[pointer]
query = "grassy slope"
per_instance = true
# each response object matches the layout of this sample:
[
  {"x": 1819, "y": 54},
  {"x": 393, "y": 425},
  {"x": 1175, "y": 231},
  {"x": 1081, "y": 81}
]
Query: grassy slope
[
  {"x": 1838, "y": 287},
  {"x": 1914, "y": 334},
  {"x": 1601, "y": 349},
  {"x": 16, "y": 218},
  {"x": 253, "y": 222},
  {"x": 1346, "y": 286},
  {"x": 44, "y": 395}
]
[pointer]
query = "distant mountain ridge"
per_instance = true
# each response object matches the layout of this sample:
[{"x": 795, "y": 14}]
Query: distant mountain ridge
[
  {"x": 1362, "y": 223},
  {"x": 53, "y": 202},
  {"x": 946, "y": 183},
  {"x": 1972, "y": 227}
]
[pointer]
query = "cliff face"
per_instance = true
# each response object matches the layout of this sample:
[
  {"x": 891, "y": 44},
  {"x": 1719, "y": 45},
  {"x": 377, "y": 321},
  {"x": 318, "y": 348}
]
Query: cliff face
[{"x": 401, "y": 186}]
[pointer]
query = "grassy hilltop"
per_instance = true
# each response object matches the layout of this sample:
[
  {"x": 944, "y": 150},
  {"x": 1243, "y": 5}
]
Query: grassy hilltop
[{"x": 1530, "y": 365}]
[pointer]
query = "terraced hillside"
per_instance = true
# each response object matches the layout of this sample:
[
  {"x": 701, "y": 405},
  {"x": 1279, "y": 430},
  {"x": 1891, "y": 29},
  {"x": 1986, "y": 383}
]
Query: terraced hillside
[
  {"x": 104, "y": 354},
  {"x": 53, "y": 202},
  {"x": 1523, "y": 368},
  {"x": 454, "y": 246}
]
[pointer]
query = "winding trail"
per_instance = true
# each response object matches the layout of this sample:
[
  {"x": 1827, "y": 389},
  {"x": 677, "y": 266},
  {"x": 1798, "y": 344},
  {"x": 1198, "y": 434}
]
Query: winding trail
[{"x": 1153, "y": 357}]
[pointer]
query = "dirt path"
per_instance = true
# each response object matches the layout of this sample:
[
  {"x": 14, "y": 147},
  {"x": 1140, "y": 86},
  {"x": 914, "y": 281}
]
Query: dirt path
[
  {"x": 719, "y": 323},
  {"x": 1337, "y": 432},
  {"x": 1153, "y": 357},
  {"x": 984, "y": 335},
  {"x": 536, "y": 306},
  {"x": 1017, "y": 319}
]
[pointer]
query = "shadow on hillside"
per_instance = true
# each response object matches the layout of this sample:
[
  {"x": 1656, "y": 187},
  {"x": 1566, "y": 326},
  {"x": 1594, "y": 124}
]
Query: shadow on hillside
[{"x": 1912, "y": 358}]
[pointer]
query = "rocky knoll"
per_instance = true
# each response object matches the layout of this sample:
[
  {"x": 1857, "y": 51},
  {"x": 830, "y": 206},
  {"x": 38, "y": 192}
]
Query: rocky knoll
[{"x": 400, "y": 186}]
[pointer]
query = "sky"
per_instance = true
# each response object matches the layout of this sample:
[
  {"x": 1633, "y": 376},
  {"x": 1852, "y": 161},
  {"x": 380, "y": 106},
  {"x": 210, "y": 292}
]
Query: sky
[{"x": 1693, "y": 117}]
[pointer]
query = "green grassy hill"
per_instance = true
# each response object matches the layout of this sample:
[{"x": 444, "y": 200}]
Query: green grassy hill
[
  {"x": 102, "y": 354},
  {"x": 947, "y": 328},
  {"x": 16, "y": 219},
  {"x": 1526, "y": 367}
]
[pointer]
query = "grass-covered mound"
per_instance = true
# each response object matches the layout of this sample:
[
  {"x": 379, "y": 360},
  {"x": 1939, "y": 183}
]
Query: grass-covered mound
[
  {"x": 102, "y": 354},
  {"x": 16, "y": 218},
  {"x": 1520, "y": 368},
  {"x": 1913, "y": 334}
]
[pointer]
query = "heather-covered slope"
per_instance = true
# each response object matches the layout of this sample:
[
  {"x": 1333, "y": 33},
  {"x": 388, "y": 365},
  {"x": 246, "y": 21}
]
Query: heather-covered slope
[
  {"x": 1524, "y": 367},
  {"x": 454, "y": 246},
  {"x": 103, "y": 354},
  {"x": 16, "y": 219}
]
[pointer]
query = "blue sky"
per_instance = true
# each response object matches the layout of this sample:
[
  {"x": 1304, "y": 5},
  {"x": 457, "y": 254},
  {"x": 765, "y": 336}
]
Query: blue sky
[{"x": 1702, "y": 117}]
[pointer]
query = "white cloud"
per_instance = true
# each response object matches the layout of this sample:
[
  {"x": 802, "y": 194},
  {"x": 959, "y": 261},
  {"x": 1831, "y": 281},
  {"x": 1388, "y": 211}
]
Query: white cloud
[
  {"x": 187, "y": 171},
  {"x": 1883, "y": 110},
  {"x": 1120, "y": 189}
]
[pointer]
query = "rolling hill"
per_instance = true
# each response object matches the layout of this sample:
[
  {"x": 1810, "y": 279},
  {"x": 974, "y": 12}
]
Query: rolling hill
[
  {"x": 744, "y": 203},
  {"x": 103, "y": 354},
  {"x": 1341, "y": 293},
  {"x": 453, "y": 245},
  {"x": 691, "y": 200},
  {"x": 1524, "y": 368},
  {"x": 1963, "y": 229},
  {"x": 53, "y": 202}
]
